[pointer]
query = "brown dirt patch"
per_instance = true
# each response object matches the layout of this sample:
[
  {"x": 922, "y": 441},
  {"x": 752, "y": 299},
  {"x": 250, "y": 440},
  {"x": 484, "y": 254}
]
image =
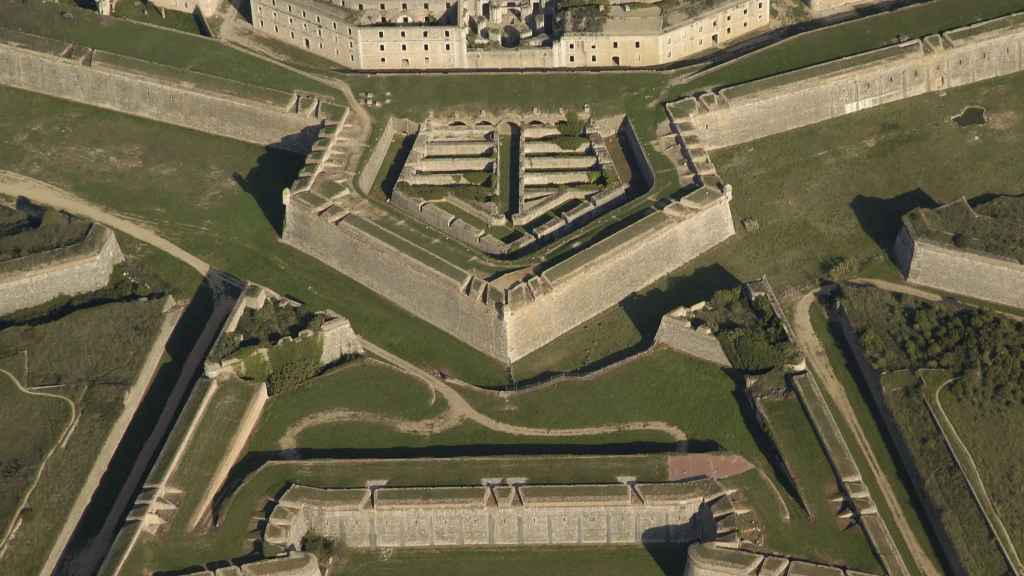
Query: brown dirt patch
[{"x": 684, "y": 466}]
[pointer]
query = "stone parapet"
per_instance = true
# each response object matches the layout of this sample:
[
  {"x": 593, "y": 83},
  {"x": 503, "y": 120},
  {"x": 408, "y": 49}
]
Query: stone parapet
[
  {"x": 38, "y": 278},
  {"x": 715, "y": 559},
  {"x": 678, "y": 332},
  {"x": 746, "y": 112}
]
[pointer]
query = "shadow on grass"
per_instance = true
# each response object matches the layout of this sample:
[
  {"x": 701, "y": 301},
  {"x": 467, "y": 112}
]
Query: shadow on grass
[
  {"x": 645, "y": 310},
  {"x": 669, "y": 556},
  {"x": 880, "y": 218},
  {"x": 179, "y": 345},
  {"x": 275, "y": 170},
  {"x": 764, "y": 442}
]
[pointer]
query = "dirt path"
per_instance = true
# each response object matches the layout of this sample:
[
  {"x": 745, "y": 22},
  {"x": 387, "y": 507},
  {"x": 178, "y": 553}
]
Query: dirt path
[
  {"x": 808, "y": 342},
  {"x": 9, "y": 529},
  {"x": 965, "y": 461},
  {"x": 900, "y": 287},
  {"x": 14, "y": 185}
]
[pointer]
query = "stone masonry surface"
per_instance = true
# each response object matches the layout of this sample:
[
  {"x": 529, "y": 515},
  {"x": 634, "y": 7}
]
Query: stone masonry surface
[
  {"x": 77, "y": 269},
  {"x": 496, "y": 515},
  {"x": 714, "y": 559},
  {"x": 105, "y": 80},
  {"x": 678, "y": 332},
  {"x": 746, "y": 112}
]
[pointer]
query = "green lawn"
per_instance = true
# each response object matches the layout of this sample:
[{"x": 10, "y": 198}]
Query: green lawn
[
  {"x": 833, "y": 540},
  {"x": 38, "y": 423},
  {"x": 150, "y": 14},
  {"x": 122, "y": 36}
]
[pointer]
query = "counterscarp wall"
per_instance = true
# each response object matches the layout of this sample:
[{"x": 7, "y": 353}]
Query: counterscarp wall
[
  {"x": 158, "y": 93},
  {"x": 38, "y": 278}
]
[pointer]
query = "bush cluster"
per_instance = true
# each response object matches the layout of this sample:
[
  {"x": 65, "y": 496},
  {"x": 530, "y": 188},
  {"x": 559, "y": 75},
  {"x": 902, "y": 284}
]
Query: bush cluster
[
  {"x": 985, "y": 348},
  {"x": 752, "y": 336},
  {"x": 23, "y": 236}
]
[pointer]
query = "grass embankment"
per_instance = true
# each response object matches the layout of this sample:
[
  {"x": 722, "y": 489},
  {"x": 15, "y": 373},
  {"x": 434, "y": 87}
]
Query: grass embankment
[
  {"x": 146, "y": 12},
  {"x": 868, "y": 415},
  {"x": 121, "y": 36},
  {"x": 979, "y": 348},
  {"x": 91, "y": 356}
]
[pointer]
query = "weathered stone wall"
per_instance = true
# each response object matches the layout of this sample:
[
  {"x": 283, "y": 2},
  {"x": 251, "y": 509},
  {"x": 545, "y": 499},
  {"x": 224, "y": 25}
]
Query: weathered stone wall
[
  {"x": 717, "y": 559},
  {"x": 77, "y": 269},
  {"x": 625, "y": 267},
  {"x": 206, "y": 7},
  {"x": 788, "y": 101},
  {"x": 413, "y": 285},
  {"x": 832, "y": 6},
  {"x": 162, "y": 100},
  {"x": 678, "y": 333},
  {"x": 375, "y": 163},
  {"x": 971, "y": 274}
]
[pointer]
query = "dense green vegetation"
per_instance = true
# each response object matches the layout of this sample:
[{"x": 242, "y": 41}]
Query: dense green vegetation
[
  {"x": 752, "y": 335},
  {"x": 985, "y": 347},
  {"x": 265, "y": 326},
  {"x": 994, "y": 226},
  {"x": 21, "y": 235}
]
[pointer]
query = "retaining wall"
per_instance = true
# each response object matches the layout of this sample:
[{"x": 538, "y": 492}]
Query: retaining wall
[
  {"x": 148, "y": 96},
  {"x": 38, "y": 278},
  {"x": 679, "y": 334},
  {"x": 746, "y": 112},
  {"x": 971, "y": 274}
]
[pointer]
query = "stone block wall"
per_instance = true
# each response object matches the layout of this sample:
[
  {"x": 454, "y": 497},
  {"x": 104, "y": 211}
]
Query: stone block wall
[
  {"x": 68, "y": 271},
  {"x": 96, "y": 84},
  {"x": 972, "y": 274},
  {"x": 626, "y": 266},
  {"x": 678, "y": 333},
  {"x": 804, "y": 97}
]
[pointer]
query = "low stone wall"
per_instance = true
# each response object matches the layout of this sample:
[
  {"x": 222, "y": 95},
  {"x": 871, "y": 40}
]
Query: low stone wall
[
  {"x": 746, "y": 112},
  {"x": 166, "y": 95},
  {"x": 715, "y": 559},
  {"x": 38, "y": 278},
  {"x": 679, "y": 334},
  {"x": 375, "y": 163},
  {"x": 971, "y": 274}
]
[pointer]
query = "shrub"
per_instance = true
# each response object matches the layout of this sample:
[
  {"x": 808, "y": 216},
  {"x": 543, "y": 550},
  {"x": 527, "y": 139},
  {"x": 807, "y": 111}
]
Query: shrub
[{"x": 572, "y": 125}]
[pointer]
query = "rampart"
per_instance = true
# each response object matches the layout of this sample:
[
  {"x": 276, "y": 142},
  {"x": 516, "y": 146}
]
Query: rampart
[
  {"x": 292, "y": 564},
  {"x": 746, "y": 112},
  {"x": 510, "y": 317},
  {"x": 497, "y": 515},
  {"x": 38, "y": 278},
  {"x": 929, "y": 261},
  {"x": 162, "y": 93},
  {"x": 713, "y": 559}
]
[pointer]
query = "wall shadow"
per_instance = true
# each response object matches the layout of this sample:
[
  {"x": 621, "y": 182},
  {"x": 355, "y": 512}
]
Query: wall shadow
[
  {"x": 669, "y": 556},
  {"x": 880, "y": 217},
  {"x": 275, "y": 170},
  {"x": 645, "y": 310}
]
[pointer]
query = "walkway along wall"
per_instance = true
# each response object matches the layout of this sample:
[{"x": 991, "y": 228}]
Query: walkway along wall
[
  {"x": 139, "y": 88},
  {"x": 38, "y": 278},
  {"x": 746, "y": 112},
  {"x": 972, "y": 274}
]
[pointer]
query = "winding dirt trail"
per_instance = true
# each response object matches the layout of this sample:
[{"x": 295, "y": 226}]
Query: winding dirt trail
[
  {"x": 808, "y": 342},
  {"x": 9, "y": 529}
]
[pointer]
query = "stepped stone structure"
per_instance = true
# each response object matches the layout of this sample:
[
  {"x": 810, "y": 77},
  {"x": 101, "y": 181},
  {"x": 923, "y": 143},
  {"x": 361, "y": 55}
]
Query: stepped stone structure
[
  {"x": 82, "y": 267},
  {"x": 929, "y": 255},
  {"x": 162, "y": 93},
  {"x": 714, "y": 559},
  {"x": 500, "y": 515},
  {"x": 746, "y": 112},
  {"x": 510, "y": 309},
  {"x": 481, "y": 34}
]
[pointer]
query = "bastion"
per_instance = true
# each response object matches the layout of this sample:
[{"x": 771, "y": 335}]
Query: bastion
[
  {"x": 746, "y": 112},
  {"x": 175, "y": 96},
  {"x": 82, "y": 266},
  {"x": 977, "y": 252},
  {"x": 503, "y": 306}
]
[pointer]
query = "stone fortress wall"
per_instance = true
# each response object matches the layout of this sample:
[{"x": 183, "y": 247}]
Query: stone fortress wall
[
  {"x": 156, "y": 92},
  {"x": 948, "y": 268},
  {"x": 349, "y": 32},
  {"x": 831, "y": 6},
  {"x": 510, "y": 322},
  {"x": 715, "y": 559},
  {"x": 499, "y": 514},
  {"x": 746, "y": 112},
  {"x": 291, "y": 564},
  {"x": 38, "y": 278},
  {"x": 678, "y": 332}
]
